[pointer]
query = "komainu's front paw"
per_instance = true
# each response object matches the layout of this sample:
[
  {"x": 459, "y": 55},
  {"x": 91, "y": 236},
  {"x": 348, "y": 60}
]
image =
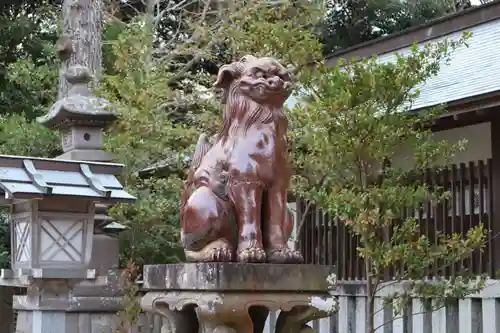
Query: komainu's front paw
[
  {"x": 220, "y": 255},
  {"x": 219, "y": 250},
  {"x": 252, "y": 254},
  {"x": 284, "y": 255}
]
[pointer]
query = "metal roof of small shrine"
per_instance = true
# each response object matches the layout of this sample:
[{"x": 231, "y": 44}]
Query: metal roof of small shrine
[{"x": 31, "y": 178}]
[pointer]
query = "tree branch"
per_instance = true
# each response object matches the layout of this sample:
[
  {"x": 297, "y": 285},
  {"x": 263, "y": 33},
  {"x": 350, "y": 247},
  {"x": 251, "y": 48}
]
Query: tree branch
[
  {"x": 303, "y": 220},
  {"x": 306, "y": 211}
]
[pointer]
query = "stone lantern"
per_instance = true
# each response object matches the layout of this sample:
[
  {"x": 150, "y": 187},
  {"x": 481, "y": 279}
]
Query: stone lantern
[
  {"x": 52, "y": 212},
  {"x": 44, "y": 237},
  {"x": 55, "y": 211},
  {"x": 80, "y": 117}
]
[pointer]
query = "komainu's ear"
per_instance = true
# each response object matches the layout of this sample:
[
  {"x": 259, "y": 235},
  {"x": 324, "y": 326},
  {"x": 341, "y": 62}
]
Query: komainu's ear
[{"x": 227, "y": 74}]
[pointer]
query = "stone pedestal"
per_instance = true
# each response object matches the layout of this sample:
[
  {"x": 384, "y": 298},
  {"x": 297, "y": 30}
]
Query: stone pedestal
[
  {"x": 230, "y": 297},
  {"x": 57, "y": 302}
]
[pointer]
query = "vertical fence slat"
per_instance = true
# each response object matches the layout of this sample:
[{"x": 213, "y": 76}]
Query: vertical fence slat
[
  {"x": 382, "y": 317},
  {"x": 472, "y": 193},
  {"x": 454, "y": 209},
  {"x": 307, "y": 236},
  {"x": 446, "y": 271},
  {"x": 398, "y": 324},
  {"x": 315, "y": 236},
  {"x": 360, "y": 312},
  {"x": 157, "y": 323},
  {"x": 445, "y": 319},
  {"x": 334, "y": 240},
  {"x": 352, "y": 254},
  {"x": 347, "y": 314},
  {"x": 469, "y": 316},
  {"x": 342, "y": 256},
  {"x": 324, "y": 326},
  {"x": 300, "y": 213},
  {"x": 334, "y": 323},
  {"x": 482, "y": 216},
  {"x": 463, "y": 188},
  {"x": 491, "y": 215},
  {"x": 305, "y": 233},
  {"x": 326, "y": 239},
  {"x": 433, "y": 217},
  {"x": 428, "y": 212},
  {"x": 149, "y": 325},
  {"x": 272, "y": 318},
  {"x": 339, "y": 247},
  {"x": 422, "y": 223},
  {"x": 421, "y": 318},
  {"x": 491, "y": 315}
]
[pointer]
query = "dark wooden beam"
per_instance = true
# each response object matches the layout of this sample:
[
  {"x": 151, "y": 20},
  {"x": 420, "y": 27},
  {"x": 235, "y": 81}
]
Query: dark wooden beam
[
  {"x": 462, "y": 119},
  {"x": 495, "y": 181}
]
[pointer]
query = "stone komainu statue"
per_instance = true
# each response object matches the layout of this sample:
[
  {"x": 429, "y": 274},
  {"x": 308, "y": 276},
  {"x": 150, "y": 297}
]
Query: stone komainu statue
[{"x": 234, "y": 204}]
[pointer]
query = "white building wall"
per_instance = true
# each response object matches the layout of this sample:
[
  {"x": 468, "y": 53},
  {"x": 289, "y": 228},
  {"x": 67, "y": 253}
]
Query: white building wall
[{"x": 478, "y": 146}]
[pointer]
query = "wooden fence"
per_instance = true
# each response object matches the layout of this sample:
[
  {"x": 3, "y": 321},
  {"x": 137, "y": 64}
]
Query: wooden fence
[{"x": 327, "y": 240}]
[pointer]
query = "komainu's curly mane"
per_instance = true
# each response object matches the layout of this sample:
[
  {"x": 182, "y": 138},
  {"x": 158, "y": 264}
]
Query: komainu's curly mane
[{"x": 247, "y": 112}]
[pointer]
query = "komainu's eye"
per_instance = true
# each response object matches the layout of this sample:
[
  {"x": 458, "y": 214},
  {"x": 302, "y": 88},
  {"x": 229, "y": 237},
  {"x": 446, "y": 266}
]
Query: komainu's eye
[
  {"x": 284, "y": 76},
  {"x": 258, "y": 74}
]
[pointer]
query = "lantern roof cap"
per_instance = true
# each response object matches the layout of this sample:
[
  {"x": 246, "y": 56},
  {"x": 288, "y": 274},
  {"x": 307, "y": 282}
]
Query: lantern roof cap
[
  {"x": 80, "y": 106},
  {"x": 30, "y": 178}
]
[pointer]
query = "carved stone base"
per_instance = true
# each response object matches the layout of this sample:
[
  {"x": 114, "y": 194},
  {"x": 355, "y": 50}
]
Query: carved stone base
[
  {"x": 66, "y": 305},
  {"x": 238, "y": 302}
]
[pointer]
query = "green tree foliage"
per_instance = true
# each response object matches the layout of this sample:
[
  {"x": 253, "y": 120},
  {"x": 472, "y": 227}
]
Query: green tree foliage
[
  {"x": 354, "y": 118},
  {"x": 28, "y": 30},
  {"x": 144, "y": 135},
  {"x": 21, "y": 136},
  {"x": 162, "y": 113}
]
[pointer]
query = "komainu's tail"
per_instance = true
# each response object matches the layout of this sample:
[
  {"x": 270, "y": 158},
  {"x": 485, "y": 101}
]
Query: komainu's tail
[{"x": 202, "y": 147}]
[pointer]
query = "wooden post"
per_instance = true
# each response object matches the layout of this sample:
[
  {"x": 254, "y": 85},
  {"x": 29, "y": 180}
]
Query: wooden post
[
  {"x": 495, "y": 210},
  {"x": 80, "y": 43},
  {"x": 6, "y": 312}
]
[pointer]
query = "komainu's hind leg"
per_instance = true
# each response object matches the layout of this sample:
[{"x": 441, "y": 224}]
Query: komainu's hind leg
[{"x": 207, "y": 229}]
